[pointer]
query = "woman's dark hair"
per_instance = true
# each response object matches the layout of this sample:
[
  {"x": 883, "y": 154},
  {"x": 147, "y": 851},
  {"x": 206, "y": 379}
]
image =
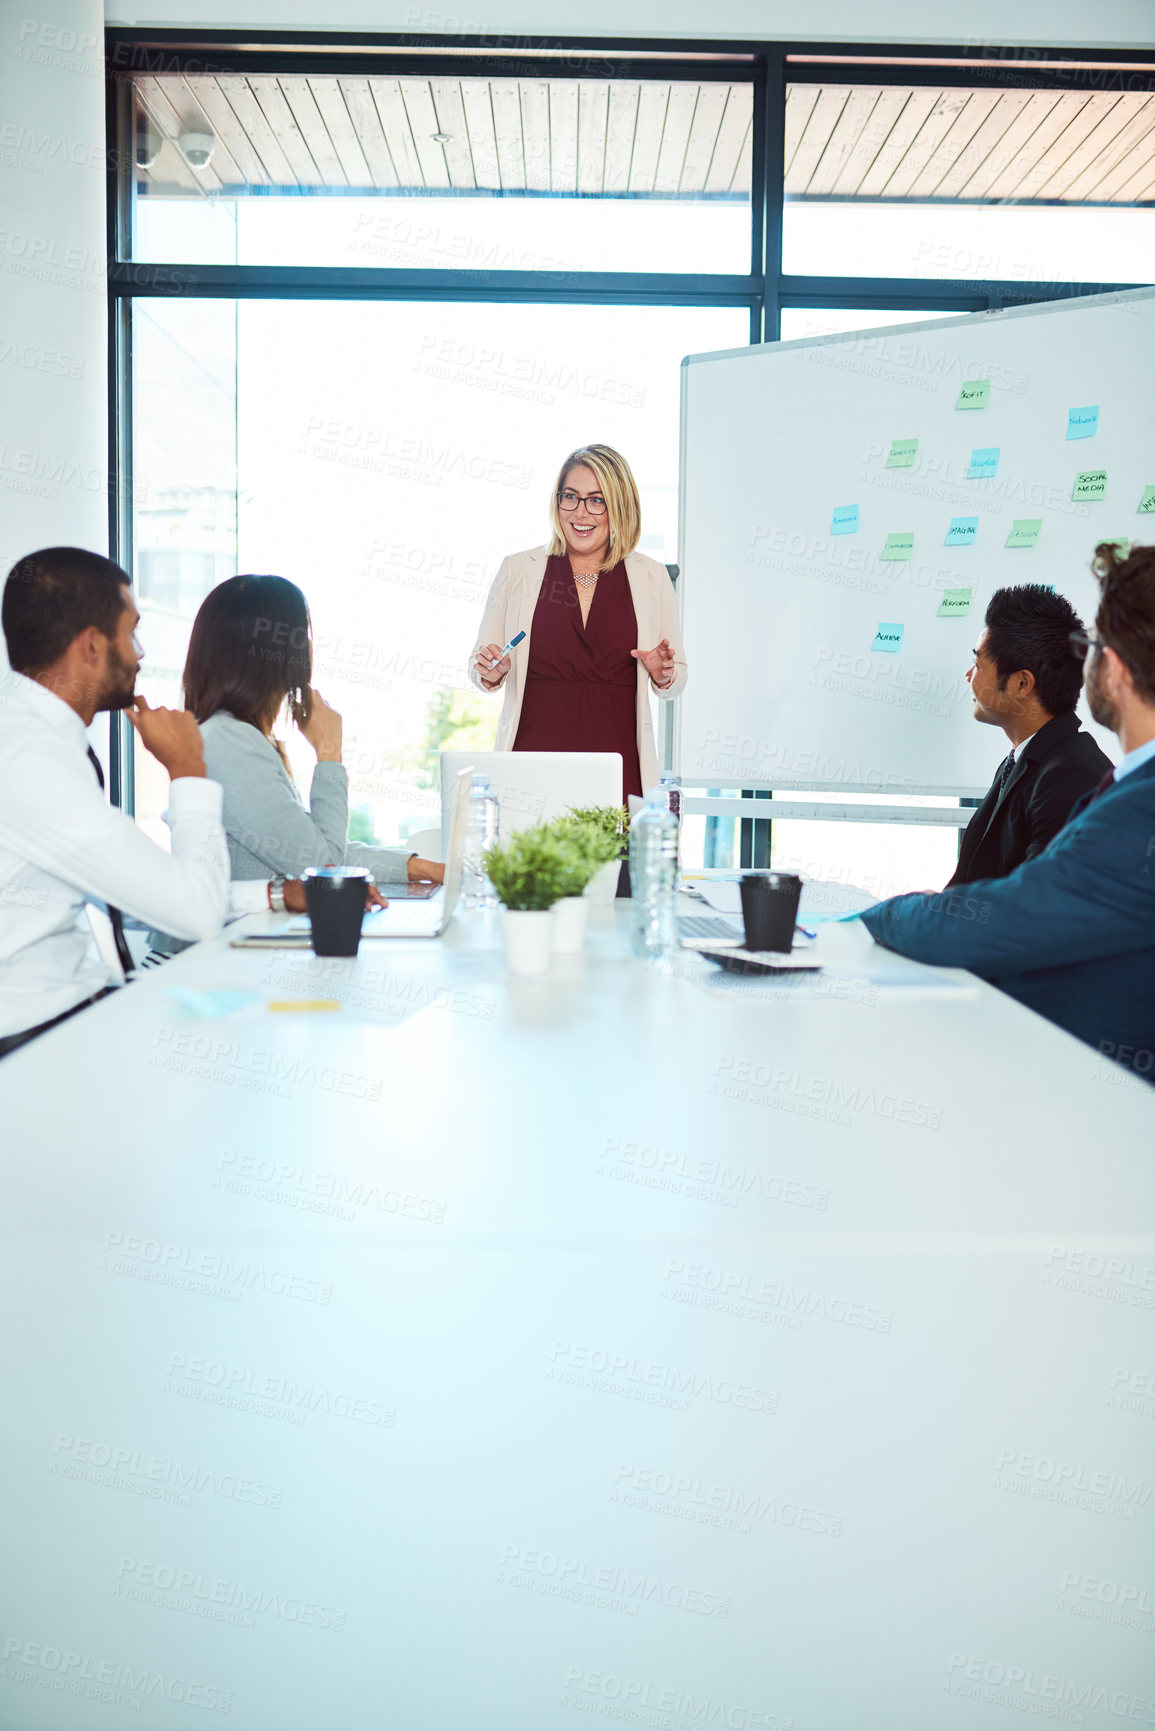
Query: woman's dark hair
[
  {"x": 52, "y": 596},
  {"x": 251, "y": 647},
  {"x": 1029, "y": 628},
  {"x": 1126, "y": 616}
]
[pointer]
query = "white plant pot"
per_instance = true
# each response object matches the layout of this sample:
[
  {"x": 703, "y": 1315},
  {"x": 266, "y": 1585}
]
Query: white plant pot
[
  {"x": 603, "y": 886},
  {"x": 570, "y": 917},
  {"x": 528, "y": 939}
]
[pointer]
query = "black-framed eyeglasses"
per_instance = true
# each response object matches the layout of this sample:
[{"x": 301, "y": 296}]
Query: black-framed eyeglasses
[
  {"x": 593, "y": 502},
  {"x": 1082, "y": 642}
]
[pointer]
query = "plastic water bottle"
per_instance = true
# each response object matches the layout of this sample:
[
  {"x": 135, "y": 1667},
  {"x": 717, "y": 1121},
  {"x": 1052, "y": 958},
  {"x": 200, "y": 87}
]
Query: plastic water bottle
[
  {"x": 654, "y": 877},
  {"x": 482, "y": 830},
  {"x": 671, "y": 787}
]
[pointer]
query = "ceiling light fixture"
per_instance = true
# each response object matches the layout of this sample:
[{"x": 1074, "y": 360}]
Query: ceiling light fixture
[{"x": 441, "y": 138}]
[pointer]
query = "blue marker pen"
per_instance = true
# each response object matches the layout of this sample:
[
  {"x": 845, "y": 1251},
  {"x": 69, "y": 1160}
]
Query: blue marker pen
[{"x": 512, "y": 644}]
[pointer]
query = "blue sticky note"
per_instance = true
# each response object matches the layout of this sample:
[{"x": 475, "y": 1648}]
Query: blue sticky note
[
  {"x": 984, "y": 463},
  {"x": 963, "y": 532},
  {"x": 845, "y": 520},
  {"x": 888, "y": 639},
  {"x": 1082, "y": 423}
]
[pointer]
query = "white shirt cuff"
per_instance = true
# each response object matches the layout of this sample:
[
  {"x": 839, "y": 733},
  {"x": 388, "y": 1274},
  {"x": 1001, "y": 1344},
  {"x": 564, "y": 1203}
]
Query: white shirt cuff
[
  {"x": 195, "y": 793},
  {"x": 250, "y": 896}
]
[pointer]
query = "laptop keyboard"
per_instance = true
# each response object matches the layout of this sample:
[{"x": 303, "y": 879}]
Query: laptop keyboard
[{"x": 707, "y": 926}]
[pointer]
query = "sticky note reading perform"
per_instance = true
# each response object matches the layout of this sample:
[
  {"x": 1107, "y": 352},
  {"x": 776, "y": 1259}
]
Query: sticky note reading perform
[
  {"x": 1090, "y": 484},
  {"x": 954, "y": 602},
  {"x": 974, "y": 394},
  {"x": 845, "y": 520},
  {"x": 984, "y": 463},
  {"x": 1147, "y": 502},
  {"x": 1024, "y": 531},
  {"x": 888, "y": 638},
  {"x": 1082, "y": 423},
  {"x": 963, "y": 532},
  {"x": 899, "y": 545},
  {"x": 902, "y": 453}
]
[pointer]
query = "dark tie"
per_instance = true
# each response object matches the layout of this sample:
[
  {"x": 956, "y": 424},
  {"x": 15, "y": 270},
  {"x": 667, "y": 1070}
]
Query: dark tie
[
  {"x": 123, "y": 953},
  {"x": 1006, "y": 770}
]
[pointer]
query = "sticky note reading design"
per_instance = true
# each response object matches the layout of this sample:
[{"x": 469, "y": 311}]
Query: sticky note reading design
[
  {"x": 899, "y": 545},
  {"x": 1147, "y": 502},
  {"x": 902, "y": 453},
  {"x": 963, "y": 532},
  {"x": 974, "y": 394},
  {"x": 1024, "y": 531},
  {"x": 888, "y": 638},
  {"x": 1082, "y": 423},
  {"x": 1090, "y": 484},
  {"x": 845, "y": 520},
  {"x": 984, "y": 463},
  {"x": 955, "y": 602}
]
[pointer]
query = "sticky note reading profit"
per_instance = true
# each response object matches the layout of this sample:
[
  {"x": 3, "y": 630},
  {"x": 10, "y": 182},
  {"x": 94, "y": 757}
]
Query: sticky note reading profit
[
  {"x": 1147, "y": 502},
  {"x": 954, "y": 602},
  {"x": 974, "y": 394},
  {"x": 1090, "y": 484},
  {"x": 845, "y": 520},
  {"x": 963, "y": 532},
  {"x": 984, "y": 463},
  {"x": 1082, "y": 423},
  {"x": 888, "y": 638},
  {"x": 899, "y": 545},
  {"x": 902, "y": 453},
  {"x": 1024, "y": 531}
]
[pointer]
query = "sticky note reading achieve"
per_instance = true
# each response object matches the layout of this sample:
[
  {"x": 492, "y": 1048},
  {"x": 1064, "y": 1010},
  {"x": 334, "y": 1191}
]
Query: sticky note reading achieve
[
  {"x": 888, "y": 638},
  {"x": 984, "y": 463},
  {"x": 1147, "y": 502},
  {"x": 902, "y": 453},
  {"x": 954, "y": 602},
  {"x": 1024, "y": 531},
  {"x": 1090, "y": 484},
  {"x": 899, "y": 545},
  {"x": 845, "y": 520},
  {"x": 1082, "y": 423},
  {"x": 974, "y": 394},
  {"x": 963, "y": 532}
]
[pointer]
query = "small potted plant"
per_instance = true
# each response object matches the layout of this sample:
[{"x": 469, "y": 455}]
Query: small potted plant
[
  {"x": 529, "y": 872},
  {"x": 605, "y": 831},
  {"x": 571, "y": 910}
]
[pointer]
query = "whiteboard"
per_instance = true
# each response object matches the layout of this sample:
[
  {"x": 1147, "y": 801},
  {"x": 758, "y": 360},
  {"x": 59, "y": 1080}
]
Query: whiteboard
[{"x": 792, "y": 685}]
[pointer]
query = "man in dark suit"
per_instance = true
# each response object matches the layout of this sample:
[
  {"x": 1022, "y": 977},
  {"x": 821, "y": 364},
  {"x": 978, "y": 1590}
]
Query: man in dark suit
[
  {"x": 1026, "y": 681},
  {"x": 1071, "y": 933}
]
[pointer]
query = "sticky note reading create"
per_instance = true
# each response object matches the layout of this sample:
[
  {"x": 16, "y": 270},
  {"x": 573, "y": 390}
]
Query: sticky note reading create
[
  {"x": 1147, "y": 502},
  {"x": 899, "y": 545},
  {"x": 845, "y": 520},
  {"x": 975, "y": 394},
  {"x": 1024, "y": 531},
  {"x": 1090, "y": 484},
  {"x": 902, "y": 453},
  {"x": 984, "y": 463},
  {"x": 954, "y": 602},
  {"x": 1082, "y": 423},
  {"x": 963, "y": 532},
  {"x": 888, "y": 638}
]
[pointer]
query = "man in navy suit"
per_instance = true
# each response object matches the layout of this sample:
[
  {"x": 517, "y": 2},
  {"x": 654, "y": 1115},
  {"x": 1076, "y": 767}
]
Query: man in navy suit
[{"x": 1071, "y": 933}]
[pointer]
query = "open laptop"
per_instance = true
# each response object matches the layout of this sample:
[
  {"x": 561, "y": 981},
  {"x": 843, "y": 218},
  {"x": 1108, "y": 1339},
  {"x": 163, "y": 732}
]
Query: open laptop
[{"x": 535, "y": 786}]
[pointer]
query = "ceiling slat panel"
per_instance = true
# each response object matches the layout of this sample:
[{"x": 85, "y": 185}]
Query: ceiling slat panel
[
  {"x": 396, "y": 131},
  {"x": 852, "y": 122},
  {"x": 1139, "y": 131},
  {"x": 1062, "y": 110},
  {"x": 823, "y": 119},
  {"x": 883, "y": 119},
  {"x": 743, "y": 173},
  {"x": 711, "y": 106},
  {"x": 445, "y": 94},
  {"x": 652, "y": 105},
  {"x": 303, "y": 107},
  {"x": 980, "y": 105},
  {"x": 479, "y": 120},
  {"x": 563, "y": 119},
  {"x": 169, "y": 123},
  {"x": 623, "y": 119},
  {"x": 1015, "y": 140},
  {"x": 675, "y": 137},
  {"x": 535, "y": 134},
  {"x": 370, "y": 137},
  {"x": 285, "y": 130},
  {"x": 593, "y": 116},
  {"x": 730, "y": 168},
  {"x": 212, "y": 94},
  {"x": 1136, "y": 184},
  {"x": 259, "y": 133},
  {"x": 800, "y": 100},
  {"x": 916, "y": 110},
  {"x": 1118, "y": 123},
  {"x": 1068, "y": 141},
  {"x": 422, "y": 117},
  {"x": 339, "y": 125},
  {"x": 986, "y": 143},
  {"x": 926, "y": 141},
  {"x": 506, "y": 106}
]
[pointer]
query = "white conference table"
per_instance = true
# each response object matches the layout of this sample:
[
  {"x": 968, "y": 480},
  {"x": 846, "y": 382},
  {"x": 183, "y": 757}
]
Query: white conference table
[{"x": 517, "y": 1354}]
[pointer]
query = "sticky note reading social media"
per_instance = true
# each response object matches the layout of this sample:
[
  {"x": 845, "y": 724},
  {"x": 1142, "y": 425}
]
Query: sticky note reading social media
[
  {"x": 963, "y": 532},
  {"x": 902, "y": 453},
  {"x": 1090, "y": 484},
  {"x": 984, "y": 463},
  {"x": 845, "y": 520},
  {"x": 899, "y": 545},
  {"x": 1147, "y": 502},
  {"x": 1024, "y": 531},
  {"x": 1082, "y": 423},
  {"x": 954, "y": 603},
  {"x": 974, "y": 394},
  {"x": 889, "y": 638}
]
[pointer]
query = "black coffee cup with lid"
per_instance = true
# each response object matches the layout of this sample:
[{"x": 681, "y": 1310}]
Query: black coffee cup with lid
[
  {"x": 770, "y": 909},
  {"x": 335, "y": 898}
]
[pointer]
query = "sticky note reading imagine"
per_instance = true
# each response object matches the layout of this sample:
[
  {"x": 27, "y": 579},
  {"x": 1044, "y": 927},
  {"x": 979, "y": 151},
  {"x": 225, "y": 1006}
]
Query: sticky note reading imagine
[
  {"x": 984, "y": 463},
  {"x": 888, "y": 638},
  {"x": 902, "y": 453},
  {"x": 1147, "y": 503},
  {"x": 963, "y": 532},
  {"x": 1083, "y": 423},
  {"x": 899, "y": 545},
  {"x": 974, "y": 394},
  {"x": 844, "y": 520},
  {"x": 1090, "y": 484},
  {"x": 954, "y": 603},
  {"x": 1024, "y": 531}
]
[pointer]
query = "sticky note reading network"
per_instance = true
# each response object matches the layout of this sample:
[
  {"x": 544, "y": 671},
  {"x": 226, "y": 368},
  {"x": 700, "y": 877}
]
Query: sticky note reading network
[
  {"x": 963, "y": 532},
  {"x": 955, "y": 602},
  {"x": 1147, "y": 502},
  {"x": 902, "y": 453},
  {"x": 974, "y": 394},
  {"x": 845, "y": 520},
  {"x": 984, "y": 463},
  {"x": 899, "y": 545},
  {"x": 1024, "y": 531},
  {"x": 1082, "y": 423},
  {"x": 888, "y": 638},
  {"x": 1090, "y": 484}
]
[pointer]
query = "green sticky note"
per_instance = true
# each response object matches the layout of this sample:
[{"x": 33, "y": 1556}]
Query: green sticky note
[
  {"x": 963, "y": 532},
  {"x": 1090, "y": 484},
  {"x": 974, "y": 394},
  {"x": 902, "y": 453},
  {"x": 1119, "y": 541},
  {"x": 1024, "y": 531},
  {"x": 888, "y": 639},
  {"x": 1147, "y": 502},
  {"x": 899, "y": 545},
  {"x": 954, "y": 603}
]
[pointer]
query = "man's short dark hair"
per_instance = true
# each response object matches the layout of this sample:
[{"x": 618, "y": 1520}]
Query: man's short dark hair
[
  {"x": 1126, "y": 616},
  {"x": 51, "y": 597},
  {"x": 1029, "y": 629}
]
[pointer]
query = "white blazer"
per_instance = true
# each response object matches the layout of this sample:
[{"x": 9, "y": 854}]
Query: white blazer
[{"x": 509, "y": 610}]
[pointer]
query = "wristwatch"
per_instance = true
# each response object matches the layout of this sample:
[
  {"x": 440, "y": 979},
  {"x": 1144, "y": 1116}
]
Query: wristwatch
[{"x": 277, "y": 896}]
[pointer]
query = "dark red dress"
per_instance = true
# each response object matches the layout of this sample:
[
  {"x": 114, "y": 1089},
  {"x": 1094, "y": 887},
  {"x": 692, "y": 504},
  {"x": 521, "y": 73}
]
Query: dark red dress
[{"x": 581, "y": 687}]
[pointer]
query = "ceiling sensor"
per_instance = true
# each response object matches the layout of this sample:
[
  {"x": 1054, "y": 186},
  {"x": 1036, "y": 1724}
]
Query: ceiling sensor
[
  {"x": 196, "y": 148},
  {"x": 441, "y": 138}
]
